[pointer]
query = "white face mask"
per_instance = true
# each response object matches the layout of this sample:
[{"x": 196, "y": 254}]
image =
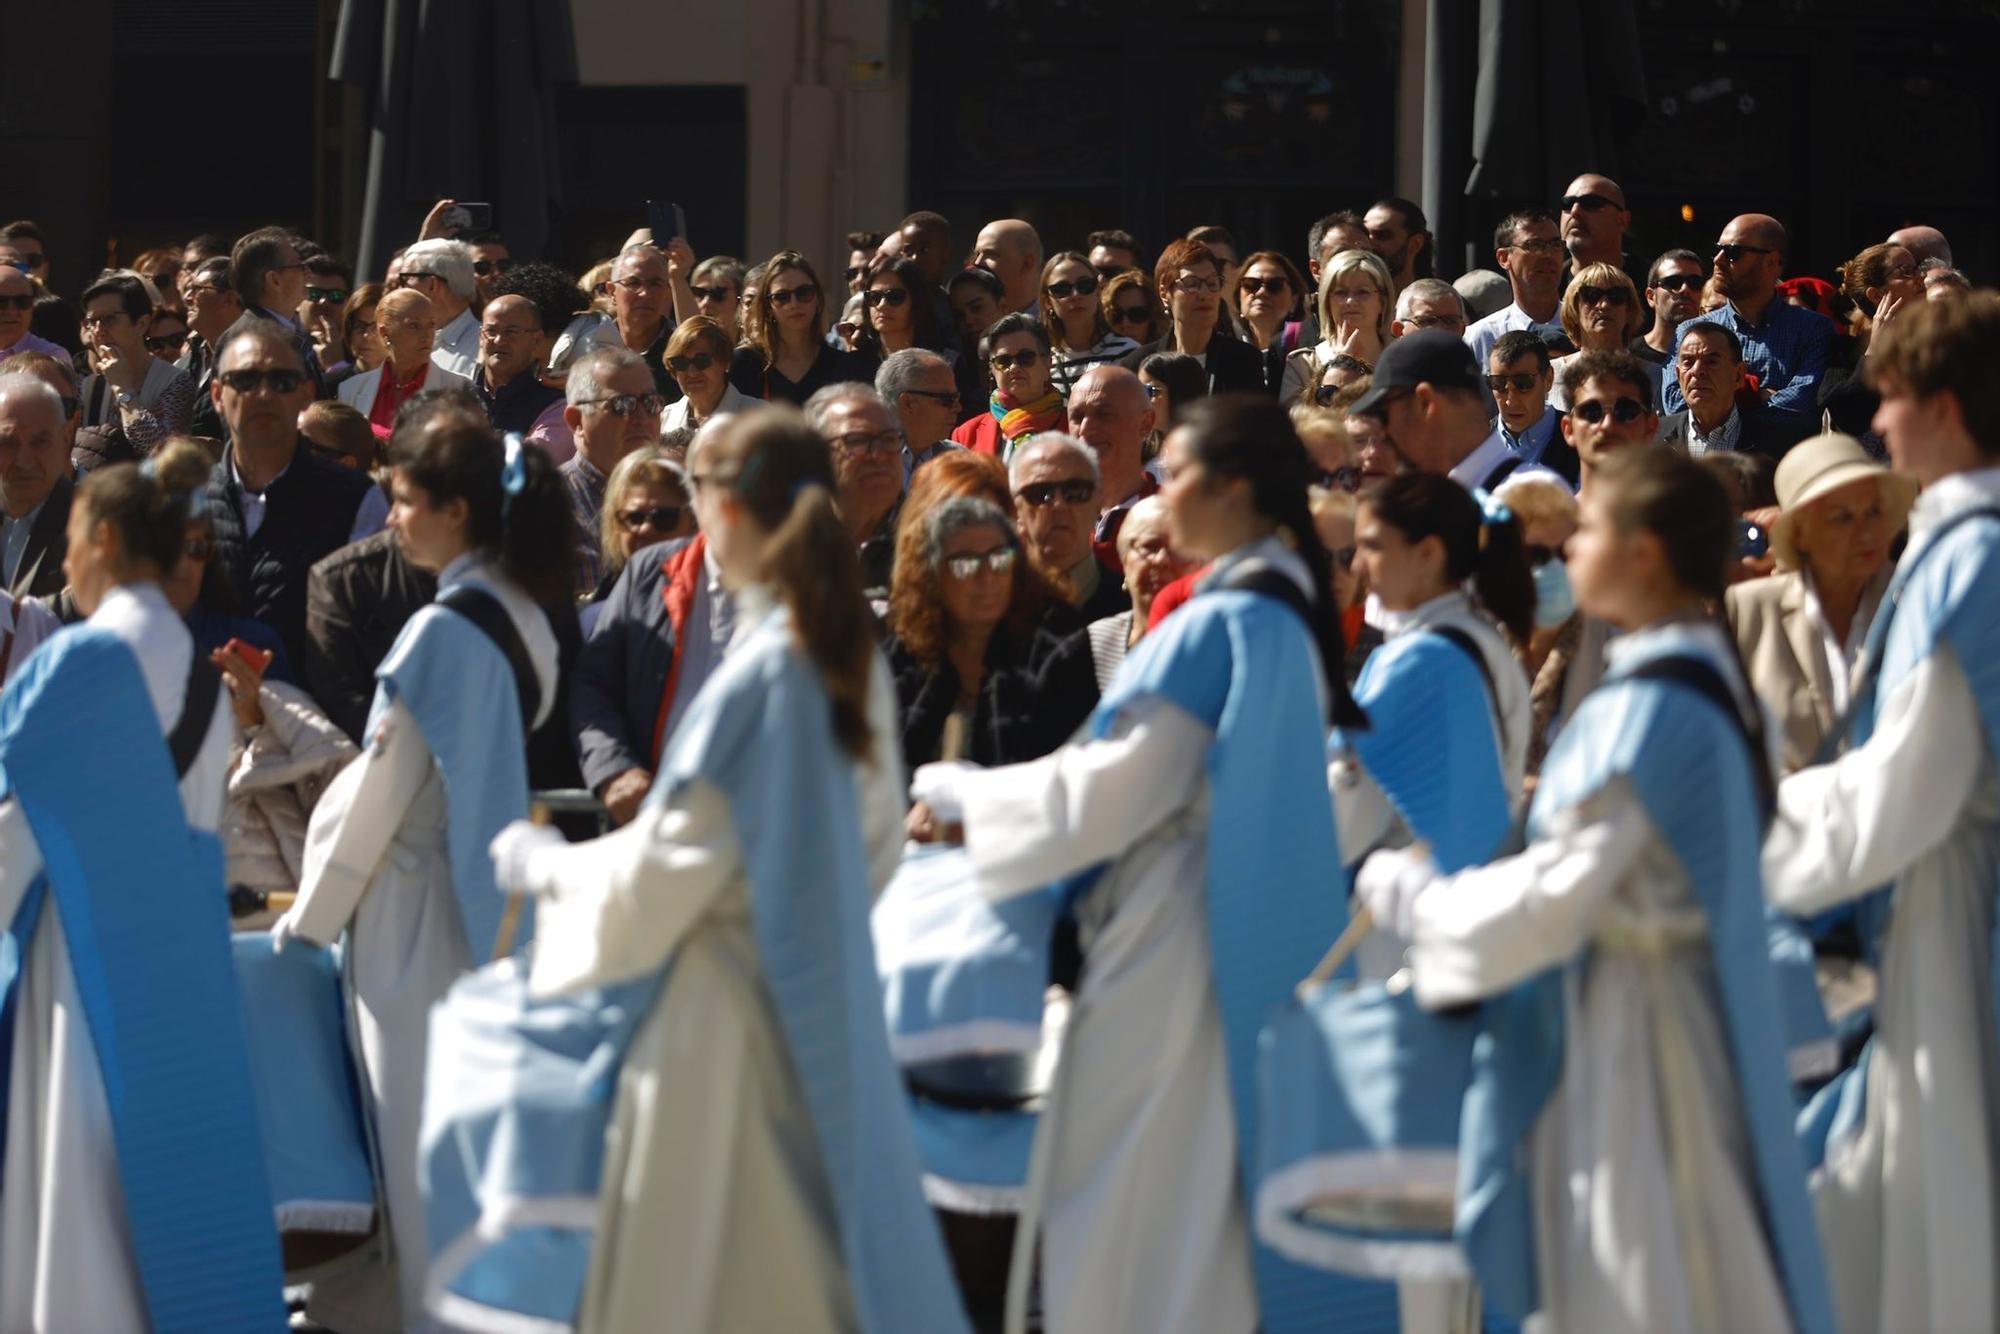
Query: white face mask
[{"x": 1554, "y": 602}]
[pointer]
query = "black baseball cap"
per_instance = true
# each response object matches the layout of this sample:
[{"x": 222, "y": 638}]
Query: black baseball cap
[{"x": 1430, "y": 356}]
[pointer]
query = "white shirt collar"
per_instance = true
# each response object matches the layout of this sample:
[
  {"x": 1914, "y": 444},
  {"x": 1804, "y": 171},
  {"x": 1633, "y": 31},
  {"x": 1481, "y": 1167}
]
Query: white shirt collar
[
  {"x": 1443, "y": 607},
  {"x": 1953, "y": 495},
  {"x": 1273, "y": 551}
]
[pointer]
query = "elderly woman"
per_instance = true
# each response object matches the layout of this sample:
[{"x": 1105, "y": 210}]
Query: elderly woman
[
  {"x": 1150, "y": 563},
  {"x": 1357, "y": 300},
  {"x": 978, "y": 676},
  {"x": 1025, "y": 401},
  {"x": 1801, "y": 630},
  {"x": 408, "y": 327},
  {"x": 1600, "y": 313},
  {"x": 697, "y": 356},
  {"x": 1189, "y": 280},
  {"x": 1076, "y": 320},
  {"x": 645, "y": 501}
]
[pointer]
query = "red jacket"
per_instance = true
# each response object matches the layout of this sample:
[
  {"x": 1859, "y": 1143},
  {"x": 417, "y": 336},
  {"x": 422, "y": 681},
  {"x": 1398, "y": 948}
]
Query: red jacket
[
  {"x": 682, "y": 576},
  {"x": 980, "y": 434}
]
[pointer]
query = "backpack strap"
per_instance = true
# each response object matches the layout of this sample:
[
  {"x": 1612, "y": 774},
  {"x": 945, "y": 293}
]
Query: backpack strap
[
  {"x": 1700, "y": 676},
  {"x": 1501, "y": 472},
  {"x": 204, "y": 683},
  {"x": 1259, "y": 576},
  {"x": 485, "y": 612},
  {"x": 1453, "y": 634}
]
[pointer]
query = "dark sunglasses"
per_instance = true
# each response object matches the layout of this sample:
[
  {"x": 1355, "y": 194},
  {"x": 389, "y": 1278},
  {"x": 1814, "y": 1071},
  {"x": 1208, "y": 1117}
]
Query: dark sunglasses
[
  {"x": 198, "y": 548},
  {"x": 482, "y": 267},
  {"x": 1539, "y": 555},
  {"x": 1324, "y": 394},
  {"x": 1107, "y": 272},
  {"x": 1625, "y": 411},
  {"x": 249, "y": 382},
  {"x": 1015, "y": 360},
  {"x": 1068, "y": 288},
  {"x": 853, "y": 271},
  {"x": 325, "y": 293},
  {"x": 1732, "y": 253},
  {"x": 944, "y": 398},
  {"x": 1275, "y": 286},
  {"x": 624, "y": 405},
  {"x": 1593, "y": 296},
  {"x": 1075, "y": 491},
  {"x": 1130, "y": 315},
  {"x": 1346, "y": 479},
  {"x": 408, "y": 278},
  {"x": 166, "y": 342},
  {"x": 659, "y": 517},
  {"x": 885, "y": 296},
  {"x": 1588, "y": 203},
  {"x": 802, "y": 293},
  {"x": 1520, "y": 384},
  {"x": 1677, "y": 282},
  {"x": 710, "y": 293},
  {"x": 25, "y": 301},
  {"x": 700, "y": 361}
]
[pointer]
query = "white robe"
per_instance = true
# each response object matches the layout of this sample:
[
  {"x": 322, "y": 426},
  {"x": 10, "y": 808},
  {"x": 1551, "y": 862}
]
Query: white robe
[
  {"x": 378, "y": 867},
  {"x": 66, "y": 1261},
  {"x": 1647, "y": 1216},
  {"x": 714, "y": 1212},
  {"x": 1909, "y": 1209}
]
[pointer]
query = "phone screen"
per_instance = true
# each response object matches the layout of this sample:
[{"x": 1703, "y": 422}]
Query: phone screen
[{"x": 666, "y": 220}]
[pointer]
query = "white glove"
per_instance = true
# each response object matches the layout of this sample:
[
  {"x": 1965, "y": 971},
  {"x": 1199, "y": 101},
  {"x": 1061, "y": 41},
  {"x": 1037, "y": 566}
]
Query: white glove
[
  {"x": 284, "y": 929},
  {"x": 937, "y": 786},
  {"x": 1389, "y": 882},
  {"x": 514, "y": 852}
]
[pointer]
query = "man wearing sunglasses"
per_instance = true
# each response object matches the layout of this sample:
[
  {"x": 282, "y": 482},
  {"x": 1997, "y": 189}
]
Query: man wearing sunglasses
[
  {"x": 1594, "y": 220},
  {"x": 1610, "y": 407},
  {"x": 269, "y": 278},
  {"x": 442, "y": 270},
  {"x": 1430, "y": 396},
  {"x": 1673, "y": 291},
  {"x": 27, "y": 240},
  {"x": 491, "y": 261},
  {"x": 1520, "y": 375},
  {"x": 17, "y": 305},
  {"x": 1054, "y": 479},
  {"x": 1784, "y": 346}
]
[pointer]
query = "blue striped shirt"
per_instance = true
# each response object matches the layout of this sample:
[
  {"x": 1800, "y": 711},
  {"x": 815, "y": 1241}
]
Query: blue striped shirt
[{"x": 1787, "y": 353}]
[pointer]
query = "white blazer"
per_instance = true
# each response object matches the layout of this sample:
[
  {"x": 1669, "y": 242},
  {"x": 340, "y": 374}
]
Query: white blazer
[{"x": 358, "y": 391}]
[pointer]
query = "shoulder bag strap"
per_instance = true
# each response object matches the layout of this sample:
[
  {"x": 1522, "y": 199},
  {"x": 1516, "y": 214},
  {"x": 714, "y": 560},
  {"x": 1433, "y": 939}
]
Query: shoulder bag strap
[{"x": 486, "y": 613}]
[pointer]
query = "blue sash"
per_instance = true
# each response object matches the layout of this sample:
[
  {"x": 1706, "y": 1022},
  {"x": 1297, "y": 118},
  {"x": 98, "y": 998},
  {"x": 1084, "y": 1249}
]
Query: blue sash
[
  {"x": 139, "y": 896},
  {"x": 1243, "y": 664}
]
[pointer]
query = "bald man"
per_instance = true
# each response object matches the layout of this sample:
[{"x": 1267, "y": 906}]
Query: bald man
[
  {"x": 1784, "y": 346},
  {"x": 1923, "y": 243},
  {"x": 1011, "y": 250},
  {"x": 1110, "y": 412},
  {"x": 1594, "y": 219}
]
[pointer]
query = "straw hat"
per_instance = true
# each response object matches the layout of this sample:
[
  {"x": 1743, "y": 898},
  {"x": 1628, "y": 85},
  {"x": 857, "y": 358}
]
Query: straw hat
[{"x": 1823, "y": 464}]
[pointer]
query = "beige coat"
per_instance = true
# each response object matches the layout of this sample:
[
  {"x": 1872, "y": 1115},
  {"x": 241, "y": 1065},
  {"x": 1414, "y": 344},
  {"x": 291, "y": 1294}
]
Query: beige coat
[
  {"x": 1779, "y": 639},
  {"x": 276, "y": 776}
]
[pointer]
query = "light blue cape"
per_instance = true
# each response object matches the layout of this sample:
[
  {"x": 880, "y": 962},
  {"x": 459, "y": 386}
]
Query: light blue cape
[{"x": 139, "y": 895}]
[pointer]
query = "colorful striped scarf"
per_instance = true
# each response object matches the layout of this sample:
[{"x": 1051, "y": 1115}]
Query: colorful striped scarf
[{"x": 1044, "y": 414}]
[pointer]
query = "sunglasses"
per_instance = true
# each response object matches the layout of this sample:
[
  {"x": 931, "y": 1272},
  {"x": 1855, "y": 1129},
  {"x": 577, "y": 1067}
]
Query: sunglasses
[
  {"x": 325, "y": 293},
  {"x": 1678, "y": 282},
  {"x": 710, "y": 293},
  {"x": 25, "y": 301},
  {"x": 853, "y": 271},
  {"x": 166, "y": 342},
  {"x": 1275, "y": 286},
  {"x": 1733, "y": 253},
  {"x": 1625, "y": 411},
  {"x": 1068, "y": 288},
  {"x": 1075, "y": 491},
  {"x": 484, "y": 267},
  {"x": 1588, "y": 203},
  {"x": 198, "y": 548},
  {"x": 885, "y": 296},
  {"x": 1519, "y": 383},
  {"x": 658, "y": 517},
  {"x": 624, "y": 405},
  {"x": 1600, "y": 296},
  {"x": 249, "y": 382},
  {"x": 700, "y": 361},
  {"x": 1005, "y": 361},
  {"x": 804, "y": 294},
  {"x": 407, "y": 278},
  {"x": 944, "y": 398},
  {"x": 1539, "y": 555},
  {"x": 1346, "y": 479},
  {"x": 1130, "y": 314},
  {"x": 1107, "y": 272},
  {"x": 998, "y": 561},
  {"x": 1325, "y": 394}
]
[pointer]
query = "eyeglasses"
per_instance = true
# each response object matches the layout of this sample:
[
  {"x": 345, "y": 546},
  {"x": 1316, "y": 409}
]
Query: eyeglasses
[
  {"x": 484, "y": 267},
  {"x": 868, "y": 442},
  {"x": 1539, "y": 555},
  {"x": 1004, "y": 361},
  {"x": 1520, "y": 383},
  {"x": 25, "y": 301},
  {"x": 804, "y": 293},
  {"x": 997, "y": 561},
  {"x": 198, "y": 548},
  {"x": 637, "y": 286},
  {"x": 167, "y": 343},
  {"x": 1590, "y": 203},
  {"x": 1068, "y": 288},
  {"x": 1541, "y": 246},
  {"x": 710, "y": 293},
  {"x": 700, "y": 361},
  {"x": 1346, "y": 479},
  {"x": 1431, "y": 322},
  {"x": 1678, "y": 282},
  {"x": 1600, "y": 296},
  {"x": 624, "y": 405},
  {"x": 886, "y": 296},
  {"x": 1193, "y": 285},
  {"x": 1130, "y": 314},
  {"x": 409, "y": 279},
  {"x": 1073, "y": 491},
  {"x": 659, "y": 517},
  {"x": 1733, "y": 253},
  {"x": 501, "y": 332},
  {"x": 1106, "y": 272},
  {"x": 249, "y": 382},
  {"x": 1901, "y": 273},
  {"x": 325, "y": 293},
  {"x": 1625, "y": 411},
  {"x": 1275, "y": 286},
  {"x": 944, "y": 398}
]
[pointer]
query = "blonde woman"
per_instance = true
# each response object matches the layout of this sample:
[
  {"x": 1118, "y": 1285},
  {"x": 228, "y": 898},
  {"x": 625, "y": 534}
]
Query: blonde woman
[
  {"x": 645, "y": 501},
  {"x": 1356, "y": 301},
  {"x": 1600, "y": 313}
]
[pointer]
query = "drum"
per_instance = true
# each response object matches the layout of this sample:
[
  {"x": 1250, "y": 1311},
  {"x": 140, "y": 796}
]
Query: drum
[
  {"x": 308, "y": 1101},
  {"x": 1357, "y": 1159}
]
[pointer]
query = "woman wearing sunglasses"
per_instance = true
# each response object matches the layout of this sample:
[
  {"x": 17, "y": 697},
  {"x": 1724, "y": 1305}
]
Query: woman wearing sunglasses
[
  {"x": 787, "y": 358},
  {"x": 1600, "y": 313},
  {"x": 1269, "y": 304},
  {"x": 1075, "y": 319},
  {"x": 697, "y": 356},
  {"x": 646, "y": 502},
  {"x": 1131, "y": 307},
  {"x": 898, "y": 313}
]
